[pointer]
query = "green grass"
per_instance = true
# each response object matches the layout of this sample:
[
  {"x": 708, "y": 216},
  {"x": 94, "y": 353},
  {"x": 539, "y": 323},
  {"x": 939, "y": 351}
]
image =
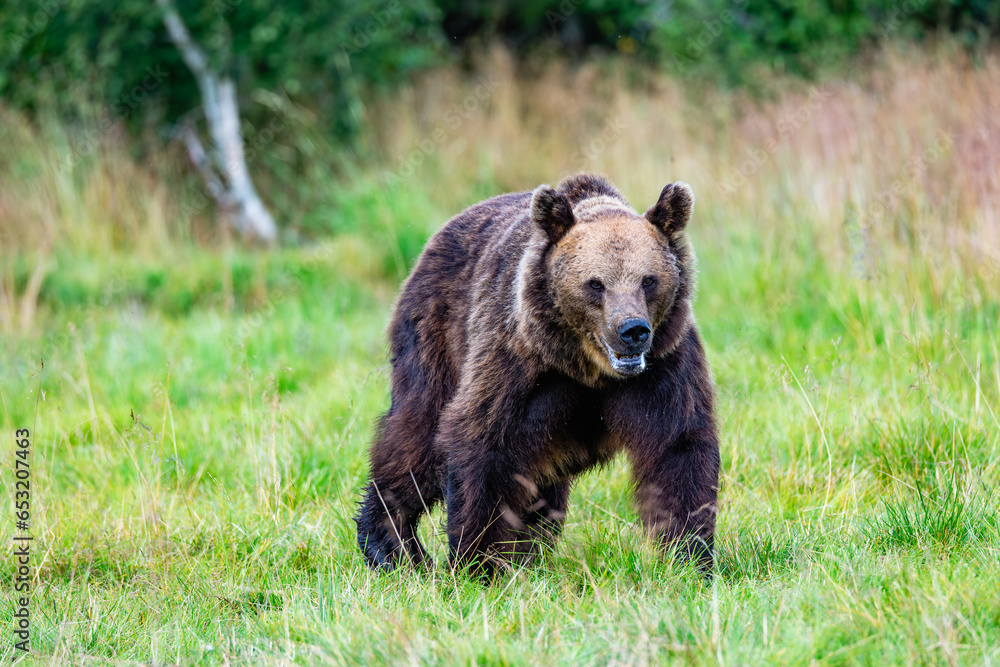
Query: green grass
[{"x": 200, "y": 428}]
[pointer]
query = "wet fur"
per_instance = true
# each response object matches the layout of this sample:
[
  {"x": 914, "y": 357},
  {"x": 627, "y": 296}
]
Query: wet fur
[{"x": 500, "y": 399}]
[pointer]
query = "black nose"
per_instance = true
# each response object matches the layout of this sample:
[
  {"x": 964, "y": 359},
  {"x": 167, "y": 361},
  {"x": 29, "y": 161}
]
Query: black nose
[{"x": 634, "y": 331}]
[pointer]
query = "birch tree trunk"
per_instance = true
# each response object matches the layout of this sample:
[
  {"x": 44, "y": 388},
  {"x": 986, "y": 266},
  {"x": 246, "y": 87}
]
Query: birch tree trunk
[{"x": 224, "y": 168}]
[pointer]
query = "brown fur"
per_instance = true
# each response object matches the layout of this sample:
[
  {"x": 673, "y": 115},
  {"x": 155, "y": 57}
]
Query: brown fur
[{"x": 521, "y": 357}]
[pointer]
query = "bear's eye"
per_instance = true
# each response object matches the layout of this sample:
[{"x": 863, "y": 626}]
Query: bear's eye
[
  {"x": 596, "y": 285},
  {"x": 648, "y": 281}
]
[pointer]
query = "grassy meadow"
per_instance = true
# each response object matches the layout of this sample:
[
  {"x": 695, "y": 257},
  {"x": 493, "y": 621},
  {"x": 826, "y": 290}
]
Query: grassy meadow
[{"x": 201, "y": 420}]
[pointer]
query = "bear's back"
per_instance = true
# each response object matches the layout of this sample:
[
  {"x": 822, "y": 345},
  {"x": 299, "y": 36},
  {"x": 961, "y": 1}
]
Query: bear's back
[{"x": 483, "y": 242}]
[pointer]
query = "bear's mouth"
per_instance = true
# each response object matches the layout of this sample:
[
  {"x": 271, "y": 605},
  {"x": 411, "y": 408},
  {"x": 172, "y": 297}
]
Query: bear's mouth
[{"x": 624, "y": 364}]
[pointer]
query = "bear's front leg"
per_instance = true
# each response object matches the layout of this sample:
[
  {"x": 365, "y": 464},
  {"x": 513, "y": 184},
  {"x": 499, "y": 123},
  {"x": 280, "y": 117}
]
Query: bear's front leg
[
  {"x": 492, "y": 435},
  {"x": 676, "y": 491},
  {"x": 665, "y": 422},
  {"x": 484, "y": 523},
  {"x": 495, "y": 517}
]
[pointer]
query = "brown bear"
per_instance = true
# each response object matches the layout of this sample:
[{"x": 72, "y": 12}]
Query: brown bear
[{"x": 540, "y": 334}]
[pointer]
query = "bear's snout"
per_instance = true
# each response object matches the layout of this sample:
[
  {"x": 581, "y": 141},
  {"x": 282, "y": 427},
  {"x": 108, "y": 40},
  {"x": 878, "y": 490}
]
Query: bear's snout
[
  {"x": 626, "y": 343},
  {"x": 634, "y": 332}
]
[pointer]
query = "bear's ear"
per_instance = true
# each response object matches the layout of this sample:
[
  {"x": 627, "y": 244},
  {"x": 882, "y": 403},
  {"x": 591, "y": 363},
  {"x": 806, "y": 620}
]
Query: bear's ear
[
  {"x": 671, "y": 213},
  {"x": 551, "y": 211}
]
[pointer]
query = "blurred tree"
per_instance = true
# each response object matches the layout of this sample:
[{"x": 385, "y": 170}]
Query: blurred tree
[
  {"x": 96, "y": 65},
  {"x": 225, "y": 170},
  {"x": 323, "y": 51}
]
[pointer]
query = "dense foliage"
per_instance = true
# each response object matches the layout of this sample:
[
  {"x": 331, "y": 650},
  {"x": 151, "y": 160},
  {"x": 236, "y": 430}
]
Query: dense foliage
[
  {"x": 724, "y": 39},
  {"x": 328, "y": 53},
  {"x": 119, "y": 53}
]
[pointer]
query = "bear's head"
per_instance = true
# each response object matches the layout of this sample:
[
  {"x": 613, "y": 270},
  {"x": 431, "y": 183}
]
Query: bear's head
[{"x": 619, "y": 281}]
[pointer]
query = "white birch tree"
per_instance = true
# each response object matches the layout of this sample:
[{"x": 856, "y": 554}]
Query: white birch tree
[{"x": 223, "y": 167}]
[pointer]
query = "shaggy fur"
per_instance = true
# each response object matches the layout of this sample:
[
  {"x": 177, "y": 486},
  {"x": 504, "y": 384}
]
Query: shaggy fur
[{"x": 539, "y": 335}]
